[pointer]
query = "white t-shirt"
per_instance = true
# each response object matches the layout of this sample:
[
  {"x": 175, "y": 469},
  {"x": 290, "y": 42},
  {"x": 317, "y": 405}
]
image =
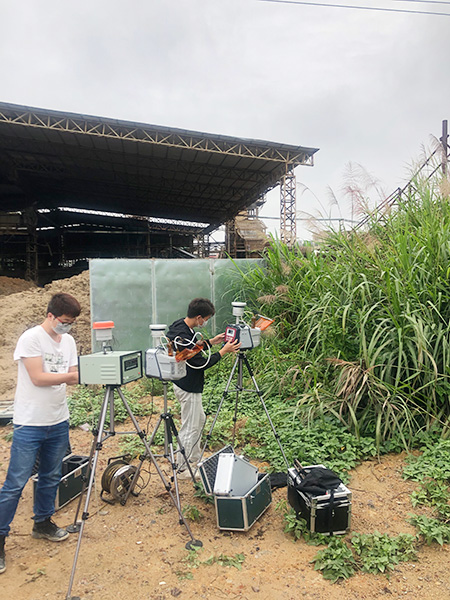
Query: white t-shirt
[{"x": 34, "y": 405}]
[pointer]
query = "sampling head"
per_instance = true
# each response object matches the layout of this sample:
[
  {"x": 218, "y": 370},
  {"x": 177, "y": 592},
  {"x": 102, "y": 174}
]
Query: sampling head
[
  {"x": 157, "y": 330},
  {"x": 238, "y": 310}
]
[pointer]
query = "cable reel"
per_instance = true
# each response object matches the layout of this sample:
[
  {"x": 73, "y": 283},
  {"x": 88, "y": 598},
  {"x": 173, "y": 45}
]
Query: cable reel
[{"x": 117, "y": 479}]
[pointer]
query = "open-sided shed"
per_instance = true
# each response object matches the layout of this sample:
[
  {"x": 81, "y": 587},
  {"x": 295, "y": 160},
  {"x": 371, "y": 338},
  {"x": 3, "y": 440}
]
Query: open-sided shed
[{"x": 55, "y": 167}]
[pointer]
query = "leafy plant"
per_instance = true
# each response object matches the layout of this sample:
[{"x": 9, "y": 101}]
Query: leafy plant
[
  {"x": 85, "y": 404},
  {"x": 200, "y": 493},
  {"x": 433, "y": 463},
  {"x": 362, "y": 323},
  {"x": 294, "y": 525},
  {"x": 8, "y": 436},
  {"x": 433, "y": 493},
  {"x": 379, "y": 553},
  {"x": 193, "y": 559},
  {"x": 298, "y": 528},
  {"x": 432, "y": 530},
  {"x": 336, "y": 561},
  {"x": 184, "y": 574},
  {"x": 192, "y": 512},
  {"x": 226, "y": 561}
]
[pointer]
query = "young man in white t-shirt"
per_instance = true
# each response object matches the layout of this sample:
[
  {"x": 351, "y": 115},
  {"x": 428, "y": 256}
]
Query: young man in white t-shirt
[{"x": 47, "y": 362}]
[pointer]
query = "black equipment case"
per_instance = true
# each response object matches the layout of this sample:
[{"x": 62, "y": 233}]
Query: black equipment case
[
  {"x": 329, "y": 513},
  {"x": 74, "y": 470}
]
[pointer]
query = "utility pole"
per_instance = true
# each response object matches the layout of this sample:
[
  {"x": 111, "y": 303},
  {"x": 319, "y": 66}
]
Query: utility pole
[{"x": 444, "y": 141}]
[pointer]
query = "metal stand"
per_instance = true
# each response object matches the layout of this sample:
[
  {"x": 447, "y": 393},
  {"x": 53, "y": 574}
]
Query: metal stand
[
  {"x": 97, "y": 444},
  {"x": 170, "y": 432},
  {"x": 241, "y": 360}
]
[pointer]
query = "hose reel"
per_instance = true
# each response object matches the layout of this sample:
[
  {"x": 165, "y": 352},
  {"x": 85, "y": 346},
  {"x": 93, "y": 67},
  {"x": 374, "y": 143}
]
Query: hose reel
[{"x": 117, "y": 479}]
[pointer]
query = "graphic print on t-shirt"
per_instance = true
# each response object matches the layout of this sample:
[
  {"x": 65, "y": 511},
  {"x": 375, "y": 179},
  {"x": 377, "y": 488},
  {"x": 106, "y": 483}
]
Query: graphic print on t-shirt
[{"x": 54, "y": 362}]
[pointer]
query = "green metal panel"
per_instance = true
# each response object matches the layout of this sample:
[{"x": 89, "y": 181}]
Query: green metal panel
[
  {"x": 225, "y": 272},
  {"x": 240, "y": 512},
  {"x": 230, "y": 513},
  {"x": 177, "y": 282},
  {"x": 137, "y": 292},
  {"x": 258, "y": 500},
  {"x": 121, "y": 291}
]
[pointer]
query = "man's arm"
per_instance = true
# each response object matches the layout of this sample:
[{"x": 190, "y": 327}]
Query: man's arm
[{"x": 41, "y": 379}]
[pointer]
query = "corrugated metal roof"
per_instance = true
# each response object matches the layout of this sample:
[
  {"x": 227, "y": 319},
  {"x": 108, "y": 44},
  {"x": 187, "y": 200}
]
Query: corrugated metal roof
[{"x": 52, "y": 159}]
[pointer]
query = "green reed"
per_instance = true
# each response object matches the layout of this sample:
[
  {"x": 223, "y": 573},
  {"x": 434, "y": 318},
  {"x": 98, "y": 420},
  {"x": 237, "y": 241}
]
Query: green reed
[{"x": 362, "y": 321}]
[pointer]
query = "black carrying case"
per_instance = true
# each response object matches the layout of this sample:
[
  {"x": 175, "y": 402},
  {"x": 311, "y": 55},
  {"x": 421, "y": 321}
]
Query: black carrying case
[
  {"x": 74, "y": 470},
  {"x": 328, "y": 513}
]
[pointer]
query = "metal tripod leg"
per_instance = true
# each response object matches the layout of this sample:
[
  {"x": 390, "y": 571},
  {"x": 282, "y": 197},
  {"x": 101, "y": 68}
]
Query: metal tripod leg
[
  {"x": 260, "y": 394},
  {"x": 98, "y": 446},
  {"x": 222, "y": 400},
  {"x": 239, "y": 388},
  {"x": 108, "y": 401},
  {"x": 170, "y": 432},
  {"x": 241, "y": 360},
  {"x": 167, "y": 485}
]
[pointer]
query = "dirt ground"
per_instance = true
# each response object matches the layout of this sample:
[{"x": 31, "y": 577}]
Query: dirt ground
[{"x": 138, "y": 550}]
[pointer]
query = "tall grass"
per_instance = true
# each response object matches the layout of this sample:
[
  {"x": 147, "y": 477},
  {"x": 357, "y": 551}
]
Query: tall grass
[{"x": 362, "y": 321}]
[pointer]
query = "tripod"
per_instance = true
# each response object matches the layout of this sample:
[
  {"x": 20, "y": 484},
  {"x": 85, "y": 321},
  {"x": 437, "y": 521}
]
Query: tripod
[
  {"x": 99, "y": 437},
  {"x": 170, "y": 432},
  {"x": 241, "y": 360}
]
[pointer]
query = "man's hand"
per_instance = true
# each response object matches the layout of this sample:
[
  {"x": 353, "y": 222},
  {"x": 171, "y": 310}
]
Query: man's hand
[
  {"x": 218, "y": 339},
  {"x": 72, "y": 376},
  {"x": 230, "y": 347}
]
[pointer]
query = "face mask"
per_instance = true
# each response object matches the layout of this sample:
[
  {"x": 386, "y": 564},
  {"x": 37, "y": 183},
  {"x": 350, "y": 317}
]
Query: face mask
[{"x": 61, "y": 328}]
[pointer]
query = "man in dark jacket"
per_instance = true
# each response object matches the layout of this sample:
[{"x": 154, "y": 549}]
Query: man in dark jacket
[{"x": 188, "y": 390}]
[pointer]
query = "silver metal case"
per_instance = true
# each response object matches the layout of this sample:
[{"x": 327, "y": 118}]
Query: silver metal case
[
  {"x": 160, "y": 365},
  {"x": 208, "y": 469},
  {"x": 235, "y": 476}
]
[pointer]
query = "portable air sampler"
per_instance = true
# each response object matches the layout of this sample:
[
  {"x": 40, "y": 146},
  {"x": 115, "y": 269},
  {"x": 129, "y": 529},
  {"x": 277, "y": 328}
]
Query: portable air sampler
[
  {"x": 250, "y": 337},
  {"x": 109, "y": 367}
]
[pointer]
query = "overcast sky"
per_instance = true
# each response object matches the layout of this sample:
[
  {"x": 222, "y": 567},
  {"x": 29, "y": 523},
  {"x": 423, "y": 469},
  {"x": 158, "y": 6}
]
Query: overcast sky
[{"x": 365, "y": 87}]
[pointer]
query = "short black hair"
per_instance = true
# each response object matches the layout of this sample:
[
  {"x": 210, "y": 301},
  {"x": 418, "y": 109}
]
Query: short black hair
[
  {"x": 202, "y": 307},
  {"x": 63, "y": 304}
]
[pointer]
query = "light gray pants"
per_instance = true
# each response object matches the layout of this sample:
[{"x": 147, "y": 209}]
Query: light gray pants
[{"x": 192, "y": 422}]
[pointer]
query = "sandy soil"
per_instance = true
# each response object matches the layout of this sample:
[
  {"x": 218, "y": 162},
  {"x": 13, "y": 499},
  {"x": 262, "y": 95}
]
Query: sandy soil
[
  {"x": 20, "y": 310},
  {"x": 138, "y": 550}
]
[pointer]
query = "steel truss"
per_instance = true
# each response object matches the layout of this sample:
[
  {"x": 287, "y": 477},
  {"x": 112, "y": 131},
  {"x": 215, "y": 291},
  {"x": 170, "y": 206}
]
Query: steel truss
[
  {"x": 288, "y": 208},
  {"x": 157, "y": 136}
]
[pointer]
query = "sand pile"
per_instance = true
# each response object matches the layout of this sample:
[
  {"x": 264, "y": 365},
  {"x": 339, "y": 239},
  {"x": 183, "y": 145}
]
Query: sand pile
[
  {"x": 23, "y": 305},
  {"x": 11, "y": 285}
]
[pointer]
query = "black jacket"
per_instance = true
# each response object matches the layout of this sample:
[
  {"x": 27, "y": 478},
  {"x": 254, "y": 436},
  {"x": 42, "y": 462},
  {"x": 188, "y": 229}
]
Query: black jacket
[{"x": 195, "y": 378}]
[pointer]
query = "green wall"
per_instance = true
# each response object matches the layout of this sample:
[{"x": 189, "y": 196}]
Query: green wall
[{"x": 137, "y": 292}]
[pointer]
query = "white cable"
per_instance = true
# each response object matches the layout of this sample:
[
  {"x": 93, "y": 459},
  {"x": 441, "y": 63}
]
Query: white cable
[
  {"x": 206, "y": 363},
  {"x": 178, "y": 341}
]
